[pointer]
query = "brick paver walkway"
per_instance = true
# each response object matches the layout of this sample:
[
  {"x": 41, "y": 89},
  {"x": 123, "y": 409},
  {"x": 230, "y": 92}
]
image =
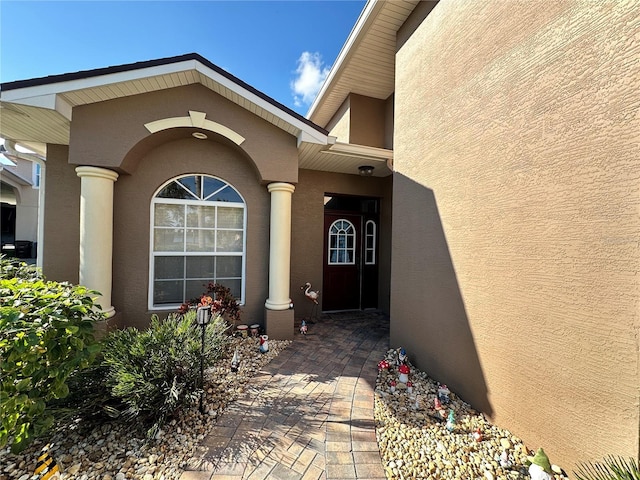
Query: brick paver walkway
[{"x": 309, "y": 413}]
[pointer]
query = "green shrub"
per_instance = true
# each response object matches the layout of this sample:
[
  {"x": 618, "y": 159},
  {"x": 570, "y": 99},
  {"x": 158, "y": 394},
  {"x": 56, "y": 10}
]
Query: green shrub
[
  {"x": 46, "y": 334},
  {"x": 611, "y": 468},
  {"x": 157, "y": 371}
]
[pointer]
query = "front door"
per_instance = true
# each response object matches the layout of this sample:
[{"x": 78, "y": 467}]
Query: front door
[{"x": 350, "y": 276}]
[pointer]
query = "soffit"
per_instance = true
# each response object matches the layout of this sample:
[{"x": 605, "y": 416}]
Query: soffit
[
  {"x": 366, "y": 63},
  {"x": 39, "y": 111},
  {"x": 344, "y": 158}
]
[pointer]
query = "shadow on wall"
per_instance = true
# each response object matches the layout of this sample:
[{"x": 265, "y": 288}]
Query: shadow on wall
[{"x": 428, "y": 315}]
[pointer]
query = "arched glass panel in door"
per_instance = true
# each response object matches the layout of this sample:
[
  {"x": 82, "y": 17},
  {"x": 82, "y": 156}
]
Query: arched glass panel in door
[{"x": 342, "y": 243}]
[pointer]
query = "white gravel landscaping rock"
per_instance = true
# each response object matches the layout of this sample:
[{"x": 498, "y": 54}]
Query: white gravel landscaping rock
[
  {"x": 121, "y": 451},
  {"x": 416, "y": 444}
]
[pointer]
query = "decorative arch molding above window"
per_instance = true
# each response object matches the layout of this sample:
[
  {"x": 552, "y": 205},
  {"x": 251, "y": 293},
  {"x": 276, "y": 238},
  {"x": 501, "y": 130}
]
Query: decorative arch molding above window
[{"x": 195, "y": 120}]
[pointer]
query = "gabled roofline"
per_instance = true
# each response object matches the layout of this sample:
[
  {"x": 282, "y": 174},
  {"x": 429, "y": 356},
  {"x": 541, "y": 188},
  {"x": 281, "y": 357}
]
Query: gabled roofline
[
  {"x": 355, "y": 36},
  {"x": 86, "y": 74}
]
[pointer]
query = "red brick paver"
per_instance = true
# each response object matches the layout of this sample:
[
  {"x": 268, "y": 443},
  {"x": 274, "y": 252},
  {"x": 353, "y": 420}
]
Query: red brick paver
[{"x": 309, "y": 413}]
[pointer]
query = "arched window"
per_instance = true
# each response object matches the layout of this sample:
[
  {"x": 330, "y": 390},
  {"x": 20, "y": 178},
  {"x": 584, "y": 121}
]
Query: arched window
[
  {"x": 342, "y": 243},
  {"x": 370, "y": 243},
  {"x": 198, "y": 226}
]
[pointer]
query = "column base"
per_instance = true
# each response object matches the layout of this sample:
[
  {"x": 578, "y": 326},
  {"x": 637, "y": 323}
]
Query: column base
[{"x": 279, "y": 324}]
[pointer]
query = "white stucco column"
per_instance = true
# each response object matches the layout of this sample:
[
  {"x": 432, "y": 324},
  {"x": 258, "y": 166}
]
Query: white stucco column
[
  {"x": 96, "y": 232},
  {"x": 279, "y": 246}
]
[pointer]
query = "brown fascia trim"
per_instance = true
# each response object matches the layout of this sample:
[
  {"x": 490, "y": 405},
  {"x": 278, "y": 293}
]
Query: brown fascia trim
[{"x": 65, "y": 77}]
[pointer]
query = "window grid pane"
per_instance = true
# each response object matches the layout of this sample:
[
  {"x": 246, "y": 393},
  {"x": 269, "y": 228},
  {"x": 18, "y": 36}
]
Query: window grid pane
[
  {"x": 209, "y": 249},
  {"x": 370, "y": 243},
  {"x": 342, "y": 241}
]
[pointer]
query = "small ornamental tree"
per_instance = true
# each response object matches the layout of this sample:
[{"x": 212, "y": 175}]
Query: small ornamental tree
[
  {"x": 46, "y": 334},
  {"x": 219, "y": 297}
]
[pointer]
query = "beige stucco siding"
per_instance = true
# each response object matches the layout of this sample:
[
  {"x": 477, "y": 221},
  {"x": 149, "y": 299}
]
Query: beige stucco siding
[
  {"x": 61, "y": 236},
  {"x": 112, "y": 134},
  {"x": 341, "y": 123},
  {"x": 516, "y": 258}
]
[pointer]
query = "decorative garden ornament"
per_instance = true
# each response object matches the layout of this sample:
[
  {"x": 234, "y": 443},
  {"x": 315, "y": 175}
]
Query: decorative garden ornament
[
  {"x": 392, "y": 387},
  {"x": 540, "y": 468},
  {"x": 451, "y": 421},
  {"x": 383, "y": 365},
  {"x": 402, "y": 356},
  {"x": 235, "y": 361},
  {"x": 255, "y": 329},
  {"x": 443, "y": 393},
  {"x": 310, "y": 294},
  {"x": 264, "y": 344},
  {"x": 303, "y": 328},
  {"x": 477, "y": 435},
  {"x": 409, "y": 387},
  {"x": 404, "y": 373},
  {"x": 313, "y": 297}
]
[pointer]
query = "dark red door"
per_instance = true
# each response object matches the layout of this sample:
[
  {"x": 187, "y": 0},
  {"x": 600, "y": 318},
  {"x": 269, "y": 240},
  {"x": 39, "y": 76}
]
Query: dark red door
[{"x": 342, "y": 262}]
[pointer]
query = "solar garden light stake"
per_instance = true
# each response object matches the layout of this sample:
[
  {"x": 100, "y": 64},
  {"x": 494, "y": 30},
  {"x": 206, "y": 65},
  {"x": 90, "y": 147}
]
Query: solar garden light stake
[{"x": 203, "y": 318}]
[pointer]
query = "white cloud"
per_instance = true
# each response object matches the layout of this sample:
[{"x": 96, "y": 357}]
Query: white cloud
[{"x": 310, "y": 75}]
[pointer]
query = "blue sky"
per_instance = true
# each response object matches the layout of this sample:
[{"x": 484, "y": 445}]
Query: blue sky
[{"x": 283, "y": 48}]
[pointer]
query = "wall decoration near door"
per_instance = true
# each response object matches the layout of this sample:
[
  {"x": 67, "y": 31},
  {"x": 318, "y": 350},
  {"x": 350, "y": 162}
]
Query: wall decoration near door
[{"x": 350, "y": 274}]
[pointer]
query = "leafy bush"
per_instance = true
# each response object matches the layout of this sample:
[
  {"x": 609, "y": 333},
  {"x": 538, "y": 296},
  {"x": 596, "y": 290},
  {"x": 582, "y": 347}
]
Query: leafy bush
[
  {"x": 46, "y": 334},
  {"x": 611, "y": 468},
  {"x": 157, "y": 371}
]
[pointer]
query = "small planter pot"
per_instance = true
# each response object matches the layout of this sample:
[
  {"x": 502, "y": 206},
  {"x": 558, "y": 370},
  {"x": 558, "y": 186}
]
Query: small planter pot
[{"x": 242, "y": 330}]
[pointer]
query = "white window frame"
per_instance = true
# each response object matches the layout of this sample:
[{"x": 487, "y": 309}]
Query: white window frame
[
  {"x": 174, "y": 201},
  {"x": 353, "y": 248},
  {"x": 373, "y": 236}
]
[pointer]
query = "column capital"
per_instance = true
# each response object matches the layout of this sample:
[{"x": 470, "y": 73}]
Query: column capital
[
  {"x": 281, "y": 187},
  {"x": 97, "y": 172}
]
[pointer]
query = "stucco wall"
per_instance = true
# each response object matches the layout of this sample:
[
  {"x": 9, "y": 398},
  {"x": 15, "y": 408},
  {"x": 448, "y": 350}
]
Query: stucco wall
[
  {"x": 112, "y": 134},
  {"x": 307, "y": 229},
  {"x": 368, "y": 117},
  {"x": 341, "y": 123},
  {"x": 133, "y": 194},
  {"x": 515, "y": 275},
  {"x": 61, "y": 237}
]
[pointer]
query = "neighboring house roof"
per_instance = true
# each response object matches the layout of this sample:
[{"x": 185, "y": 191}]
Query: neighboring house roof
[{"x": 39, "y": 110}]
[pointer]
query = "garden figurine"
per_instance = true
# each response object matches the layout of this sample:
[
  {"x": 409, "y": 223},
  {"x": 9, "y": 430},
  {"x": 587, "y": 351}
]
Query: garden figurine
[
  {"x": 402, "y": 356},
  {"x": 404, "y": 373},
  {"x": 235, "y": 361},
  {"x": 264, "y": 344},
  {"x": 303, "y": 328},
  {"x": 383, "y": 365},
  {"x": 443, "y": 393},
  {"x": 540, "y": 468},
  {"x": 409, "y": 387},
  {"x": 392, "y": 387},
  {"x": 477, "y": 435},
  {"x": 451, "y": 421}
]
